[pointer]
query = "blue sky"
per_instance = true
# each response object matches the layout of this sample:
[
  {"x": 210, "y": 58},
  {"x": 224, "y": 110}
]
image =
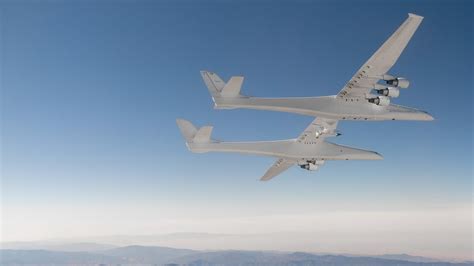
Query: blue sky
[{"x": 90, "y": 94}]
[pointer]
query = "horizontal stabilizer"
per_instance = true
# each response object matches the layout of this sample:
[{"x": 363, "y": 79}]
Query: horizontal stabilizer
[
  {"x": 203, "y": 135},
  {"x": 232, "y": 88}
]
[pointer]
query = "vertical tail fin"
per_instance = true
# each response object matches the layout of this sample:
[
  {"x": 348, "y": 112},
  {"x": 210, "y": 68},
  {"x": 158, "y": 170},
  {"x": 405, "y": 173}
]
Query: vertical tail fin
[
  {"x": 213, "y": 82},
  {"x": 192, "y": 134},
  {"x": 218, "y": 88},
  {"x": 187, "y": 129}
]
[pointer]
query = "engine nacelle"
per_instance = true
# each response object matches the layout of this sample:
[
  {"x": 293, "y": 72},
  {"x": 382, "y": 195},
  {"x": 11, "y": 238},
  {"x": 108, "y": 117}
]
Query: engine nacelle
[
  {"x": 312, "y": 165},
  {"x": 390, "y": 92},
  {"x": 399, "y": 82},
  {"x": 381, "y": 100},
  {"x": 325, "y": 131}
]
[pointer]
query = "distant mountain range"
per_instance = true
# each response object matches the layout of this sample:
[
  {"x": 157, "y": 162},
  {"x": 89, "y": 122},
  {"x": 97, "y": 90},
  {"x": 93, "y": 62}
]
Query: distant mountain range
[
  {"x": 56, "y": 246},
  {"x": 149, "y": 255}
]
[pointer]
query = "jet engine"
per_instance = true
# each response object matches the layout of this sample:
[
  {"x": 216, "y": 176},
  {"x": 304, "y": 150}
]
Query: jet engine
[
  {"x": 325, "y": 131},
  {"x": 389, "y": 91},
  {"x": 312, "y": 165},
  {"x": 380, "y": 100},
  {"x": 398, "y": 82}
]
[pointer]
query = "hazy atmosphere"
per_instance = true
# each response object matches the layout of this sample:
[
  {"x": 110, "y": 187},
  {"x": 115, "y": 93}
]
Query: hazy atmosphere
[{"x": 90, "y": 150}]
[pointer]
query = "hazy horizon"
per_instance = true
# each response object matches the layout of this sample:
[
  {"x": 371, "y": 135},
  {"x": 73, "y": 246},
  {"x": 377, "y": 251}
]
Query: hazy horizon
[
  {"x": 369, "y": 232},
  {"x": 203, "y": 241}
]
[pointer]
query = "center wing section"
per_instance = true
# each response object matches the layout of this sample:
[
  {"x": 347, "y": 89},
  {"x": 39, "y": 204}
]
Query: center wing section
[
  {"x": 380, "y": 63},
  {"x": 319, "y": 129}
]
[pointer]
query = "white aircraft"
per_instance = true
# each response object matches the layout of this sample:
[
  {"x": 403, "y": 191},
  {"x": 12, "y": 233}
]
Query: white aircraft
[
  {"x": 309, "y": 150},
  {"x": 362, "y": 98}
]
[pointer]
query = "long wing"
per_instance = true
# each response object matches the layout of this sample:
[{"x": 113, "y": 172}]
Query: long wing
[
  {"x": 380, "y": 63},
  {"x": 277, "y": 168},
  {"x": 318, "y": 130}
]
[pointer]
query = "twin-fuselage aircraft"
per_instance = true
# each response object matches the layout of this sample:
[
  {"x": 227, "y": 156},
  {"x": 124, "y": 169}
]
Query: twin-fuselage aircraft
[{"x": 366, "y": 97}]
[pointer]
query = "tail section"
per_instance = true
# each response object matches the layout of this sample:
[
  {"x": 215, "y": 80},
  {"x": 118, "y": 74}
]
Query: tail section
[
  {"x": 193, "y": 134},
  {"x": 203, "y": 135},
  {"x": 218, "y": 88},
  {"x": 213, "y": 82}
]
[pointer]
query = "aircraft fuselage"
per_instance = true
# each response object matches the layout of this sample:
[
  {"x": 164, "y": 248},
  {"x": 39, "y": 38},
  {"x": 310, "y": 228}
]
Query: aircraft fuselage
[
  {"x": 326, "y": 106},
  {"x": 290, "y": 149}
]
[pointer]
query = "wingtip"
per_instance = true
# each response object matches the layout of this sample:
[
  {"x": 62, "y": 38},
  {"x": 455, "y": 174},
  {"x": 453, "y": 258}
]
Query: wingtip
[
  {"x": 429, "y": 117},
  {"x": 203, "y": 73},
  {"x": 183, "y": 123},
  {"x": 412, "y": 15},
  {"x": 181, "y": 120},
  {"x": 378, "y": 156}
]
